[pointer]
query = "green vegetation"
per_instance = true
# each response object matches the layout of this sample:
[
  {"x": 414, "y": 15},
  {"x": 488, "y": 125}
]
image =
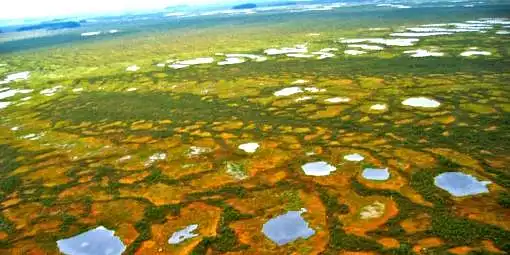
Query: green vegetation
[
  {"x": 67, "y": 220},
  {"x": 504, "y": 199},
  {"x": 464, "y": 231},
  {"x": 226, "y": 239},
  {"x": 237, "y": 170},
  {"x": 291, "y": 200},
  {"x": 10, "y": 184},
  {"x": 6, "y": 225},
  {"x": 423, "y": 182},
  {"x": 158, "y": 213},
  {"x": 331, "y": 202},
  {"x": 8, "y": 161},
  {"x": 142, "y": 227},
  {"x": 63, "y": 156},
  {"x": 455, "y": 230},
  {"x": 342, "y": 241},
  {"x": 228, "y": 191}
]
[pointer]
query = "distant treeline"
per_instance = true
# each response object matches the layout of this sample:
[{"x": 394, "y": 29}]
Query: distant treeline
[
  {"x": 282, "y": 3},
  {"x": 252, "y": 5},
  {"x": 244, "y": 6},
  {"x": 50, "y": 26}
]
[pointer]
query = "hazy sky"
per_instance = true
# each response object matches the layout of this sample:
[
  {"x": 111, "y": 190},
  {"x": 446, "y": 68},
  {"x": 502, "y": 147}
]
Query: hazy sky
[{"x": 18, "y": 9}]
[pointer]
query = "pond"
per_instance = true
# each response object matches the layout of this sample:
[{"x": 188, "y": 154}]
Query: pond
[
  {"x": 376, "y": 174},
  {"x": 319, "y": 168},
  {"x": 93, "y": 242},
  {"x": 287, "y": 228},
  {"x": 460, "y": 184}
]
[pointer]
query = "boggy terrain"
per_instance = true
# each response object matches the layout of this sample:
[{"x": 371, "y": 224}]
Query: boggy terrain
[{"x": 317, "y": 138}]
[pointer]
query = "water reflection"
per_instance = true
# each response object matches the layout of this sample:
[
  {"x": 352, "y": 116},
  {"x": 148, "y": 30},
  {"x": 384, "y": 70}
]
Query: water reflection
[
  {"x": 376, "y": 174},
  {"x": 249, "y": 147},
  {"x": 459, "y": 184},
  {"x": 183, "y": 234},
  {"x": 287, "y": 228},
  {"x": 354, "y": 157},
  {"x": 319, "y": 168},
  {"x": 97, "y": 241}
]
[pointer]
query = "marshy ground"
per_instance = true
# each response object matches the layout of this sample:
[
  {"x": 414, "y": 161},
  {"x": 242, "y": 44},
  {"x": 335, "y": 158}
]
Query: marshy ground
[{"x": 106, "y": 131}]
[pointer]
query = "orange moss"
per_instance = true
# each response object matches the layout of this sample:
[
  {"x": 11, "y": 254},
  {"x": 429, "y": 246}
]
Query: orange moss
[
  {"x": 316, "y": 217},
  {"x": 249, "y": 232},
  {"x": 419, "y": 159},
  {"x": 132, "y": 178},
  {"x": 227, "y": 136},
  {"x": 84, "y": 190},
  {"x": 112, "y": 125},
  {"x": 423, "y": 244},
  {"x": 212, "y": 180},
  {"x": 430, "y": 242},
  {"x": 259, "y": 200},
  {"x": 267, "y": 128},
  {"x": 22, "y": 214},
  {"x": 118, "y": 211},
  {"x": 289, "y": 139},
  {"x": 457, "y": 157},
  {"x": 272, "y": 177},
  {"x": 498, "y": 162},
  {"x": 320, "y": 131},
  {"x": 340, "y": 82},
  {"x": 165, "y": 122},
  {"x": 176, "y": 170},
  {"x": 55, "y": 163},
  {"x": 340, "y": 179},
  {"x": 484, "y": 209},
  {"x": 29, "y": 247},
  {"x": 76, "y": 209},
  {"x": 307, "y": 108},
  {"x": 186, "y": 129},
  {"x": 354, "y": 224},
  {"x": 461, "y": 250},
  {"x": 234, "y": 125},
  {"x": 138, "y": 139},
  {"x": 404, "y": 121},
  {"x": 141, "y": 125},
  {"x": 11, "y": 202},
  {"x": 269, "y": 144},
  {"x": 376, "y": 143},
  {"x": 489, "y": 246},
  {"x": 206, "y": 216},
  {"x": 329, "y": 112},
  {"x": 200, "y": 133},
  {"x": 357, "y": 253},
  {"x": 285, "y": 129},
  {"x": 446, "y": 120},
  {"x": 389, "y": 243},
  {"x": 421, "y": 222},
  {"x": 165, "y": 144},
  {"x": 267, "y": 161},
  {"x": 42, "y": 227},
  {"x": 301, "y": 130},
  {"x": 354, "y": 139},
  {"x": 159, "y": 194}
]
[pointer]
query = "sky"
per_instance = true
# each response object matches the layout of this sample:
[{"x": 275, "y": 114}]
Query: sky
[{"x": 22, "y": 9}]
